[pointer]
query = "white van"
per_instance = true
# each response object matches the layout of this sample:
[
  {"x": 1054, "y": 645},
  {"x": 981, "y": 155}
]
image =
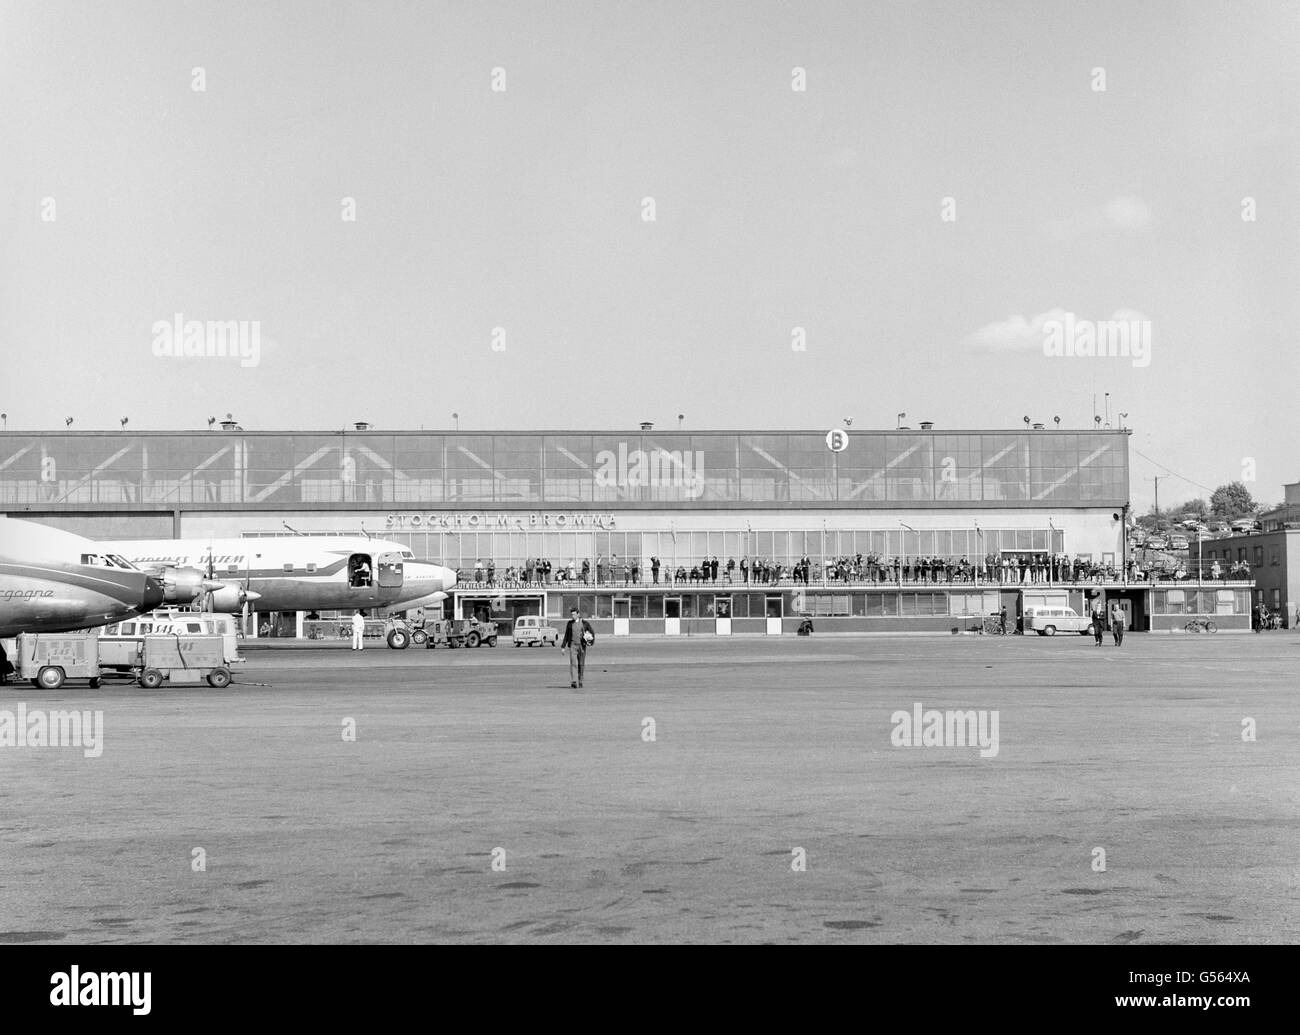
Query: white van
[
  {"x": 532, "y": 629},
  {"x": 1048, "y": 621},
  {"x": 120, "y": 643}
]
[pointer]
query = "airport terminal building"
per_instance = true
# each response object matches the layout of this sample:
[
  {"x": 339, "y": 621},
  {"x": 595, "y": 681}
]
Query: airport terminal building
[{"x": 510, "y": 499}]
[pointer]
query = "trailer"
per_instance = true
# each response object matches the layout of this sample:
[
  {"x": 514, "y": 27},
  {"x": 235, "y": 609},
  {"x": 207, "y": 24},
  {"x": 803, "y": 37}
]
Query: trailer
[
  {"x": 183, "y": 660},
  {"x": 47, "y": 659}
]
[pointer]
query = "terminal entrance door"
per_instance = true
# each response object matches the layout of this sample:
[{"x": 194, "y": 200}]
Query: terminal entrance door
[
  {"x": 622, "y": 613},
  {"x": 774, "y": 611},
  {"x": 501, "y": 609},
  {"x": 722, "y": 616},
  {"x": 673, "y": 616}
]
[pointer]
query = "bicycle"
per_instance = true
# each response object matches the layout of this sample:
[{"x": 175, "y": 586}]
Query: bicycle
[{"x": 1200, "y": 625}]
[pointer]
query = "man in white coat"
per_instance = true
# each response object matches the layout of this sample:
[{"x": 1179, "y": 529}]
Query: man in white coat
[{"x": 358, "y": 630}]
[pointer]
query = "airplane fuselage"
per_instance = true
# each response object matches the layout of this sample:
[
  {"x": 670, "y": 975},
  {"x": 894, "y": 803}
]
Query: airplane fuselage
[
  {"x": 301, "y": 573},
  {"x": 45, "y": 588}
]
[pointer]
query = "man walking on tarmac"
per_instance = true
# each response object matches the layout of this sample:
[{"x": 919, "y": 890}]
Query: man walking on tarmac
[
  {"x": 1098, "y": 621},
  {"x": 1117, "y": 623},
  {"x": 578, "y": 636},
  {"x": 358, "y": 630}
]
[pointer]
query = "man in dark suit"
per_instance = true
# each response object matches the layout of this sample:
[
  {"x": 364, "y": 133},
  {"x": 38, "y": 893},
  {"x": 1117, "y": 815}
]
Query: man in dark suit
[{"x": 578, "y": 636}]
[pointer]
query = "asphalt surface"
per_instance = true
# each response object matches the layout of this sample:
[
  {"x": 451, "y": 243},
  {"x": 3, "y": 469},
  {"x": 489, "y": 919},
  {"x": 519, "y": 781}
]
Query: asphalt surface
[{"x": 761, "y": 746}]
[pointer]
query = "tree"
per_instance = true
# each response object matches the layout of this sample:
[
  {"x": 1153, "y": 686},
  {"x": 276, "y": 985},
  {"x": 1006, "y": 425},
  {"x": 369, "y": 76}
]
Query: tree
[{"x": 1232, "y": 501}]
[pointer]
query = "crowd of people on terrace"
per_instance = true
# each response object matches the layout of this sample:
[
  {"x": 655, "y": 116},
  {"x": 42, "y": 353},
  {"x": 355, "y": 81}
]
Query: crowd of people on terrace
[{"x": 871, "y": 569}]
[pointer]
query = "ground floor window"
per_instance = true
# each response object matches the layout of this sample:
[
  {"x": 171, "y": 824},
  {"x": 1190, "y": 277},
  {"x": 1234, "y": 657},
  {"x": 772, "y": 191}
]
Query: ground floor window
[{"x": 1200, "y": 602}]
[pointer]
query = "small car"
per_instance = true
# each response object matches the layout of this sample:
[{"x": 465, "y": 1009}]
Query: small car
[
  {"x": 1178, "y": 542},
  {"x": 1048, "y": 621},
  {"x": 534, "y": 629}
]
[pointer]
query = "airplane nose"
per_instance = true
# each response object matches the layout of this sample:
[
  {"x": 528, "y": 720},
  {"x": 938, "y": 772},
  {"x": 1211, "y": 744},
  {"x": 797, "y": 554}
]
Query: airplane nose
[
  {"x": 155, "y": 592},
  {"x": 449, "y": 579}
]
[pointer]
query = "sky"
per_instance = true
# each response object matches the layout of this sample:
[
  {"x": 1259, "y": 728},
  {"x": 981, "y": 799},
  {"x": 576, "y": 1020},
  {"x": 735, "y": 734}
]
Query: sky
[{"x": 584, "y": 215}]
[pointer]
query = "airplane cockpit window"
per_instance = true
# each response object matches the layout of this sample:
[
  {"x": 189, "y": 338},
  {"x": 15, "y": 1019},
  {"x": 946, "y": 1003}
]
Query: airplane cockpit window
[
  {"x": 90, "y": 558},
  {"x": 121, "y": 561},
  {"x": 359, "y": 573},
  {"x": 408, "y": 555}
]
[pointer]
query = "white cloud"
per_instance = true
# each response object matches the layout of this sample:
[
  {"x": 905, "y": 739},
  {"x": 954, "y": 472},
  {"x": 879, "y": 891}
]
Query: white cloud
[
  {"x": 1019, "y": 332},
  {"x": 1015, "y": 332},
  {"x": 1122, "y": 213}
]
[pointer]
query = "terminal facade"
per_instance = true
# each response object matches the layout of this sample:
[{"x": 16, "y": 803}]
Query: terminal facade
[{"x": 498, "y": 503}]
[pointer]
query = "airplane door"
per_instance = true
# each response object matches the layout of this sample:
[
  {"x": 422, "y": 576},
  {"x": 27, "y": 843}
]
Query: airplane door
[{"x": 390, "y": 570}]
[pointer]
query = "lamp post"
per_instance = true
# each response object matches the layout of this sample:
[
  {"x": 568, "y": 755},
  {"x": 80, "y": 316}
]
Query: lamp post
[{"x": 902, "y": 554}]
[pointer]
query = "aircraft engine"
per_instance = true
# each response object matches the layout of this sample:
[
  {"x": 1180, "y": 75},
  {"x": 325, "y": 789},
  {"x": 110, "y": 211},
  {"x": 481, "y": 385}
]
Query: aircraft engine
[
  {"x": 182, "y": 585},
  {"x": 230, "y": 598}
]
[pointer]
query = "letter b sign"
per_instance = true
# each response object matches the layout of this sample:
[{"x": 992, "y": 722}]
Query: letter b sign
[{"x": 837, "y": 441}]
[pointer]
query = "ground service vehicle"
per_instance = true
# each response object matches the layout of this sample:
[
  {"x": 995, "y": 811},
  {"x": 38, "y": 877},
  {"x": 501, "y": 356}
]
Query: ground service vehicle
[
  {"x": 1201, "y": 625},
  {"x": 1048, "y": 621},
  {"x": 47, "y": 659},
  {"x": 464, "y": 632},
  {"x": 534, "y": 629},
  {"x": 183, "y": 659},
  {"x": 120, "y": 643}
]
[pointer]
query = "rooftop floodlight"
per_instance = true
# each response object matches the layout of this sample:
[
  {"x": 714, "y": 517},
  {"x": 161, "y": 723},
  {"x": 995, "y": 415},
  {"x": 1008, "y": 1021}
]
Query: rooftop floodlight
[
  {"x": 67, "y": 422},
  {"x": 123, "y": 421},
  {"x": 1056, "y": 421}
]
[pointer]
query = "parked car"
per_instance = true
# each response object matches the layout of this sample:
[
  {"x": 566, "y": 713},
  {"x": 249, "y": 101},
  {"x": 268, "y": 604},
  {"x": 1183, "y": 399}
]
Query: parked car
[
  {"x": 1157, "y": 542},
  {"x": 1178, "y": 541},
  {"x": 534, "y": 629},
  {"x": 1246, "y": 525},
  {"x": 1048, "y": 621}
]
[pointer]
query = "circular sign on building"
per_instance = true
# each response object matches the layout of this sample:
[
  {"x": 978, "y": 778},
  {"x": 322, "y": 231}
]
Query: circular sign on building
[{"x": 837, "y": 441}]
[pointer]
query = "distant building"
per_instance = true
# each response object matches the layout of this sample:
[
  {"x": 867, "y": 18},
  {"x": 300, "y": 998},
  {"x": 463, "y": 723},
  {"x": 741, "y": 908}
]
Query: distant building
[
  {"x": 1274, "y": 559},
  {"x": 1287, "y": 515}
]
